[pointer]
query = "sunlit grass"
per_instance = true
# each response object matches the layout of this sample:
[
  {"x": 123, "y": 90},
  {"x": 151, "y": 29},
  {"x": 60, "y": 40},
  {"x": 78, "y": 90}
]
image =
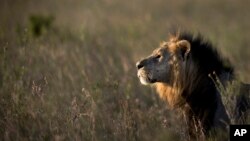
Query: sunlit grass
[{"x": 76, "y": 80}]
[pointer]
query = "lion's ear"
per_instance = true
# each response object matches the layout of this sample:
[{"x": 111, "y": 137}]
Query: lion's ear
[{"x": 184, "y": 47}]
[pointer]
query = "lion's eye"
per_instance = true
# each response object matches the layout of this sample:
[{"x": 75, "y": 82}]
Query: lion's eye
[{"x": 158, "y": 56}]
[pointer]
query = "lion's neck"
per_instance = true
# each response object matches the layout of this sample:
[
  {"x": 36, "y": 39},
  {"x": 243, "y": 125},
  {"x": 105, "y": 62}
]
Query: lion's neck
[{"x": 169, "y": 93}]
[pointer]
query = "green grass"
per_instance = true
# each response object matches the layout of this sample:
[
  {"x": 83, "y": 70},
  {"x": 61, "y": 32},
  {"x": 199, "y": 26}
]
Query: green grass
[{"x": 76, "y": 79}]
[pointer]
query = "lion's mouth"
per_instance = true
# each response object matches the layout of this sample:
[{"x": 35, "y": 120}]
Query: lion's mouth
[{"x": 145, "y": 78}]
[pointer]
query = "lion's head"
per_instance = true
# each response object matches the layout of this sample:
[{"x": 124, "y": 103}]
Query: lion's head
[
  {"x": 165, "y": 68},
  {"x": 159, "y": 66}
]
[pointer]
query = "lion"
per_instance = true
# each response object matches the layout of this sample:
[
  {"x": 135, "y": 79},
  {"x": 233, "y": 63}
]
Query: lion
[{"x": 181, "y": 71}]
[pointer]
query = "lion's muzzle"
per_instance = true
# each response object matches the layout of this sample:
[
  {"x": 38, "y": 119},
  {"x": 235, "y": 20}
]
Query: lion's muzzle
[{"x": 145, "y": 77}]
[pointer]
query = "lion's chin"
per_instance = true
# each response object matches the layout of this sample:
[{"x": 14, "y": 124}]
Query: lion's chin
[
  {"x": 145, "y": 78},
  {"x": 144, "y": 81}
]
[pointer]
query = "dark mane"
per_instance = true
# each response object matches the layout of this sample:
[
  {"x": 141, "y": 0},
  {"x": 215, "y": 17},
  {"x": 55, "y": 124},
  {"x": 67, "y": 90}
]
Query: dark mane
[
  {"x": 203, "y": 99},
  {"x": 205, "y": 55}
]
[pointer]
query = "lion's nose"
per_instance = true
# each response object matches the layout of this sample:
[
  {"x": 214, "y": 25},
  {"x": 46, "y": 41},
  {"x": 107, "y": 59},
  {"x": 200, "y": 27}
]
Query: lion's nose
[{"x": 139, "y": 65}]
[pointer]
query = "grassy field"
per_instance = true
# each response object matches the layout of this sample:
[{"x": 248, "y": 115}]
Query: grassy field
[{"x": 67, "y": 68}]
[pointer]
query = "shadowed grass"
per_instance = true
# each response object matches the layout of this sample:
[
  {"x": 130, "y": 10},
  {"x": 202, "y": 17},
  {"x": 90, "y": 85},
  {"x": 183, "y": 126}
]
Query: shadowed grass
[{"x": 77, "y": 79}]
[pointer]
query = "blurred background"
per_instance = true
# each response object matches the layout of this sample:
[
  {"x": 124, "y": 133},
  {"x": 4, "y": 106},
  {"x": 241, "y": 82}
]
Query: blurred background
[{"x": 67, "y": 67}]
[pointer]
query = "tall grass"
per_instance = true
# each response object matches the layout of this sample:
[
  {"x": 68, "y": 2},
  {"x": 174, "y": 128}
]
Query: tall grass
[{"x": 76, "y": 79}]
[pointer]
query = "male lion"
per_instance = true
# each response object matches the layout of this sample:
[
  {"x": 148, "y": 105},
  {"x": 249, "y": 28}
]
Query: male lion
[{"x": 179, "y": 69}]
